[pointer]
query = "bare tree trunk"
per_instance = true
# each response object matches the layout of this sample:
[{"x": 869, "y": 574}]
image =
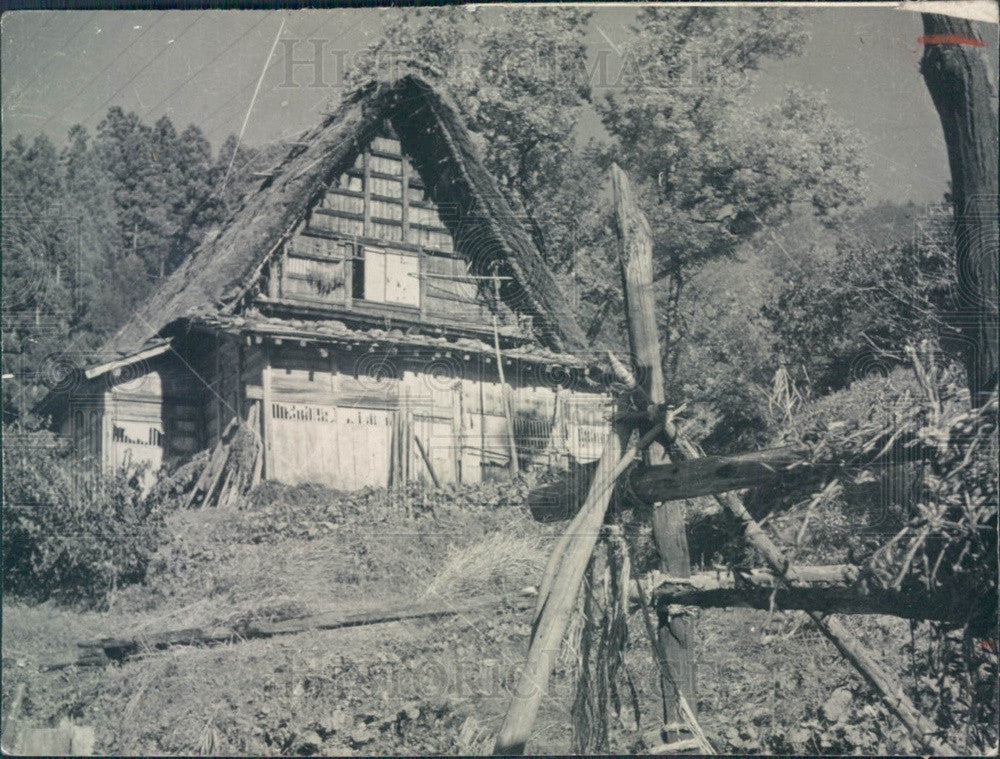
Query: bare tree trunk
[
  {"x": 957, "y": 79},
  {"x": 675, "y": 635}
]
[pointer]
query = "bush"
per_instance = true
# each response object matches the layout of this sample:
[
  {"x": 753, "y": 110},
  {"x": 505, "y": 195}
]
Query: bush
[{"x": 68, "y": 532}]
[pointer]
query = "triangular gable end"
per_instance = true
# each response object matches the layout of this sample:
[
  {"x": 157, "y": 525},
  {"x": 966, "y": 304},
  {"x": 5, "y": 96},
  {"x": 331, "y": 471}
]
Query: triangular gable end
[
  {"x": 376, "y": 241},
  {"x": 223, "y": 276}
]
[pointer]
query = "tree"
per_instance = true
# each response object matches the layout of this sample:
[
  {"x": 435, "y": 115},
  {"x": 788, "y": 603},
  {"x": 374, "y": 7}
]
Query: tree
[
  {"x": 847, "y": 308},
  {"x": 39, "y": 259},
  {"x": 959, "y": 85},
  {"x": 714, "y": 167}
]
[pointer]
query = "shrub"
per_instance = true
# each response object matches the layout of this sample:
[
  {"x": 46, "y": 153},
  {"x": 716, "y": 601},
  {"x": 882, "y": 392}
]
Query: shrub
[{"x": 69, "y": 532}]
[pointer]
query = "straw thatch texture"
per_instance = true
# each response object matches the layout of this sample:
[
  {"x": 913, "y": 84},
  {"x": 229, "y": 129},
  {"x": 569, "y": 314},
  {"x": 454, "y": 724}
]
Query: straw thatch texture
[{"x": 224, "y": 267}]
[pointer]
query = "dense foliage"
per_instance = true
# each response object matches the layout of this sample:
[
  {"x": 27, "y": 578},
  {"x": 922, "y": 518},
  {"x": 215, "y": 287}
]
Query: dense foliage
[
  {"x": 69, "y": 532},
  {"x": 90, "y": 229}
]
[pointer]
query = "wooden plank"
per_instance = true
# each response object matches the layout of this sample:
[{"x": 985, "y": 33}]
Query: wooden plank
[
  {"x": 146, "y": 353},
  {"x": 104, "y": 650},
  {"x": 427, "y": 461},
  {"x": 270, "y": 468}
]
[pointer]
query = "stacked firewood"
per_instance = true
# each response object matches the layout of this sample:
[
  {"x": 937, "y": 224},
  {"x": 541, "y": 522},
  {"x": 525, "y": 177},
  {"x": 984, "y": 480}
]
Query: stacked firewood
[{"x": 233, "y": 469}]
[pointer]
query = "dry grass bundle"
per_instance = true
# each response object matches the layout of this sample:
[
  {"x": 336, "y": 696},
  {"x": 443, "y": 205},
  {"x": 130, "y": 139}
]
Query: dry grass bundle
[{"x": 502, "y": 562}]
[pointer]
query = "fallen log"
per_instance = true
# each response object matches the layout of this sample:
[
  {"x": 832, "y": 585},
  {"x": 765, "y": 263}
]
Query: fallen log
[
  {"x": 105, "y": 650},
  {"x": 825, "y": 589}
]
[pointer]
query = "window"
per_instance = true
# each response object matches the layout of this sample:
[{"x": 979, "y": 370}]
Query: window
[{"x": 388, "y": 277}]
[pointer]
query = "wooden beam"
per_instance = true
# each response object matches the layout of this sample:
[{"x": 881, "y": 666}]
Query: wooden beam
[
  {"x": 718, "y": 474},
  {"x": 427, "y": 461},
  {"x": 269, "y": 470},
  {"x": 827, "y": 589},
  {"x": 711, "y": 475},
  {"x": 105, "y": 650},
  {"x": 635, "y": 256},
  {"x": 155, "y": 350}
]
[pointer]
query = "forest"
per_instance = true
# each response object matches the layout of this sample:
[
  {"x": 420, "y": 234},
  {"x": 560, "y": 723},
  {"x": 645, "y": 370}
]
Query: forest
[{"x": 790, "y": 310}]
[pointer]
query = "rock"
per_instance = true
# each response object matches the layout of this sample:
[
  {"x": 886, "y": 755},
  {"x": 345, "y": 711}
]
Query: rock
[
  {"x": 361, "y": 736},
  {"x": 309, "y": 743},
  {"x": 835, "y": 707}
]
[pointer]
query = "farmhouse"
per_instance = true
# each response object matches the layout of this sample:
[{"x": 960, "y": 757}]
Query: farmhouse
[{"x": 376, "y": 309}]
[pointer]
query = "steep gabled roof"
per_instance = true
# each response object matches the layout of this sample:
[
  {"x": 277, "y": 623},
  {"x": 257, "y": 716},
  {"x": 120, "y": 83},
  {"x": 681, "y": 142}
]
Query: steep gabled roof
[{"x": 218, "y": 274}]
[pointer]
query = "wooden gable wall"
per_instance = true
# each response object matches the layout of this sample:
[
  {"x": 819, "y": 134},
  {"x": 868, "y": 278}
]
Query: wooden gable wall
[{"x": 377, "y": 242}]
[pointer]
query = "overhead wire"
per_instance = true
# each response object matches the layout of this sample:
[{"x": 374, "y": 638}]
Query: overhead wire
[
  {"x": 145, "y": 66},
  {"x": 222, "y": 52},
  {"x": 124, "y": 50}
]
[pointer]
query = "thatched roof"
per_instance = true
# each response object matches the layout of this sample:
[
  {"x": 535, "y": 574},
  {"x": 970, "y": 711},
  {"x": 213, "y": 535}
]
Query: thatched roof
[{"x": 219, "y": 273}]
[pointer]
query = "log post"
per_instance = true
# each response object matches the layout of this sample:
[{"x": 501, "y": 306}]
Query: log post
[
  {"x": 558, "y": 591},
  {"x": 956, "y": 75},
  {"x": 635, "y": 255}
]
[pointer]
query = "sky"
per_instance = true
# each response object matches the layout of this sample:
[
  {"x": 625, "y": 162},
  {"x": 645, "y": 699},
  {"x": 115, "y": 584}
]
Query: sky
[{"x": 59, "y": 68}]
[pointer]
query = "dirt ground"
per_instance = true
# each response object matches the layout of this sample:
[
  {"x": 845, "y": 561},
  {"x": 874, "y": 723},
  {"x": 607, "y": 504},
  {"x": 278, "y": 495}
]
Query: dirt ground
[{"x": 767, "y": 683}]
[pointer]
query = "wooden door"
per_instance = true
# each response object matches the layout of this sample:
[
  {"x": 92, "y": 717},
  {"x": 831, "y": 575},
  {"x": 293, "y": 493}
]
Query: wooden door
[{"x": 346, "y": 448}]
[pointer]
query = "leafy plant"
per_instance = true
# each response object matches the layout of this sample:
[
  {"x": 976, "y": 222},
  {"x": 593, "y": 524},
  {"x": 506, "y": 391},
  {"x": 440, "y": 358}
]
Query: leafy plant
[{"x": 71, "y": 533}]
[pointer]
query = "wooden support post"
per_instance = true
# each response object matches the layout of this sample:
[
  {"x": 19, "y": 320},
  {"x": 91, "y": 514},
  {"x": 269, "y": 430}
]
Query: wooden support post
[
  {"x": 558, "y": 591},
  {"x": 427, "y": 461},
  {"x": 269, "y": 469},
  {"x": 504, "y": 395},
  {"x": 675, "y": 635}
]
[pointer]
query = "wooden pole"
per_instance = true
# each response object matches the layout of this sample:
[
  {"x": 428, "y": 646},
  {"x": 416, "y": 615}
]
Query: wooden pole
[
  {"x": 920, "y": 728},
  {"x": 270, "y": 469},
  {"x": 504, "y": 396},
  {"x": 635, "y": 256},
  {"x": 833, "y": 588},
  {"x": 558, "y": 592},
  {"x": 427, "y": 461}
]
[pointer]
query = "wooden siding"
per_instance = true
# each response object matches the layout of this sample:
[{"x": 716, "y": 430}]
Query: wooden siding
[
  {"x": 369, "y": 244},
  {"x": 334, "y": 419},
  {"x": 153, "y": 413}
]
